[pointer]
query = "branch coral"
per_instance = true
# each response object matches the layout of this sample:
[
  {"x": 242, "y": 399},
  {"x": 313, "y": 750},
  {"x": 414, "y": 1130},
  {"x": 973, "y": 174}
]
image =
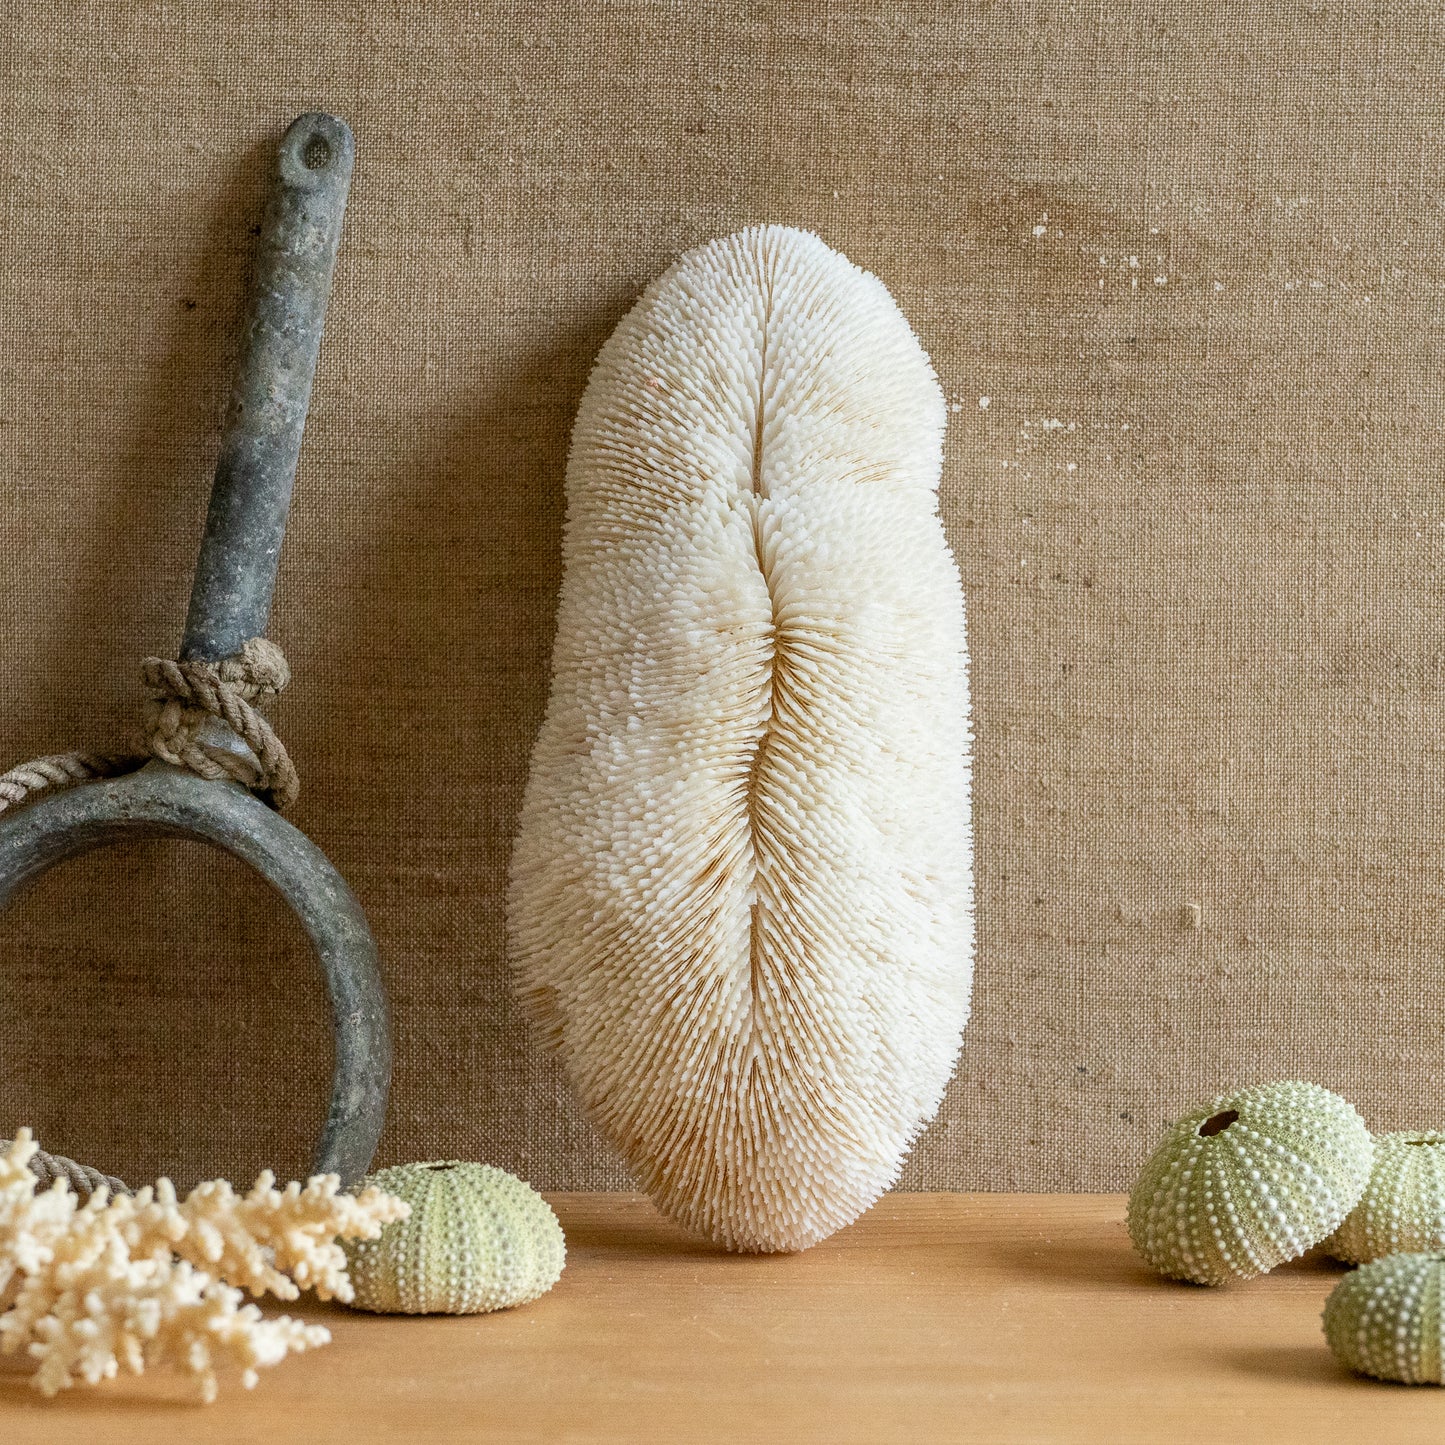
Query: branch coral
[
  {"x": 127, "y": 1282},
  {"x": 270, "y": 1241}
]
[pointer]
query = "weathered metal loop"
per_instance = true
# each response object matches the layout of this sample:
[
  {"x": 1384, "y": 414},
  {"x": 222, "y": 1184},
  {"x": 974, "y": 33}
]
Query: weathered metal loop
[
  {"x": 162, "y": 801},
  {"x": 230, "y": 605}
]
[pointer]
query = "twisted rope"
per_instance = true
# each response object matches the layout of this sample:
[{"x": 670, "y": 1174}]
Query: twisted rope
[
  {"x": 184, "y": 697},
  {"x": 62, "y": 770},
  {"x": 83, "y": 1180}
]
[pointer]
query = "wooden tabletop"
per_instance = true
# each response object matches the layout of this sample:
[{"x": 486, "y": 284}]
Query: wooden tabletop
[{"x": 938, "y": 1317}]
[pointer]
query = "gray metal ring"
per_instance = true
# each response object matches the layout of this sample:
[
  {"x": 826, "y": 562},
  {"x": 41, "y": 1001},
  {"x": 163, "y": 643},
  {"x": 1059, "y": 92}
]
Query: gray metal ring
[{"x": 162, "y": 801}]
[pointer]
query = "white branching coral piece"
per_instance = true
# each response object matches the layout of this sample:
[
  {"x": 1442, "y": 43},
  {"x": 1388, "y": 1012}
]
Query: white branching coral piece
[
  {"x": 114, "y": 1313},
  {"x": 30, "y": 1223},
  {"x": 122, "y": 1283},
  {"x": 270, "y": 1241},
  {"x": 740, "y": 896}
]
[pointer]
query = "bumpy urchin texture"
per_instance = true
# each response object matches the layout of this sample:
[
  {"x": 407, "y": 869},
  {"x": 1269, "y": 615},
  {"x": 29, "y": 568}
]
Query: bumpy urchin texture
[
  {"x": 1403, "y": 1206},
  {"x": 477, "y": 1239},
  {"x": 1249, "y": 1180},
  {"x": 1384, "y": 1318},
  {"x": 740, "y": 903}
]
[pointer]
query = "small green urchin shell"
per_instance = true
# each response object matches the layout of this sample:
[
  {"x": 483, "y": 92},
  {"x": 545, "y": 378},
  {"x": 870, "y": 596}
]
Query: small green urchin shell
[
  {"x": 1249, "y": 1180},
  {"x": 1403, "y": 1206},
  {"x": 1383, "y": 1319},
  {"x": 478, "y": 1239}
]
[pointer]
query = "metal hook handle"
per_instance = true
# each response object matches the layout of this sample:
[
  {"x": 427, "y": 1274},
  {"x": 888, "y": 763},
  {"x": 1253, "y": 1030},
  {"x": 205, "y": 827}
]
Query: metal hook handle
[
  {"x": 230, "y": 603},
  {"x": 251, "y": 493}
]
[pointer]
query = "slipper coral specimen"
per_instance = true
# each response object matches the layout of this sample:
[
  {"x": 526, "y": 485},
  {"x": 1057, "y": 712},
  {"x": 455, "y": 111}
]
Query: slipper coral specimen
[
  {"x": 1384, "y": 1319},
  {"x": 477, "y": 1239},
  {"x": 1403, "y": 1207},
  {"x": 1248, "y": 1181},
  {"x": 128, "y": 1281},
  {"x": 740, "y": 895}
]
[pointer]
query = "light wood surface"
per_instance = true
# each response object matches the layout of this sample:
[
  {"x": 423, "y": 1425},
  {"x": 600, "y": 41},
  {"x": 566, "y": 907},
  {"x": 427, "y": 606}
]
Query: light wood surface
[{"x": 936, "y": 1318}]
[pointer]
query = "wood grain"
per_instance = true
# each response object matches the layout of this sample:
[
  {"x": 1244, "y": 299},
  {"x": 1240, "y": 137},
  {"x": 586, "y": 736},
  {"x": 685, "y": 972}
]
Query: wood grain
[{"x": 936, "y": 1318}]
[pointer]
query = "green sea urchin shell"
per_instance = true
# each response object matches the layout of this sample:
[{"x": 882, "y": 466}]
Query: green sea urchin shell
[
  {"x": 478, "y": 1239},
  {"x": 1243, "y": 1183},
  {"x": 1403, "y": 1206},
  {"x": 1383, "y": 1319}
]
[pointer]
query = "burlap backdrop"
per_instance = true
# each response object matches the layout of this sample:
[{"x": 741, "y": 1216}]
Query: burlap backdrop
[{"x": 1191, "y": 255}]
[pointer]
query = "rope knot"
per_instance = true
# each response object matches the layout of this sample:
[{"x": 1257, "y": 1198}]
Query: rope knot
[
  {"x": 258, "y": 672},
  {"x": 186, "y": 696}
]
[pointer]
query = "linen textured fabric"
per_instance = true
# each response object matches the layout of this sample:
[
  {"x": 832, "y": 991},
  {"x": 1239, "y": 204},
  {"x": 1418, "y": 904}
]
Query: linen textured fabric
[{"x": 1192, "y": 256}]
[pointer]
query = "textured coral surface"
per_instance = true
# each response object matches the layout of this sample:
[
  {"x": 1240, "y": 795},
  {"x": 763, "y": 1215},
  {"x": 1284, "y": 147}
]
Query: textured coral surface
[
  {"x": 135, "y": 1280},
  {"x": 740, "y": 896}
]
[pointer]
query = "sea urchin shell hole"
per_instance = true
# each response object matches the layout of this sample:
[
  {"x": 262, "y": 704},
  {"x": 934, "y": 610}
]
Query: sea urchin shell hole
[
  {"x": 1249, "y": 1180},
  {"x": 1218, "y": 1123},
  {"x": 740, "y": 896}
]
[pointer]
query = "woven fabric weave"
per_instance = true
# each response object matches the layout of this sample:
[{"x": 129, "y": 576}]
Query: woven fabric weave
[{"x": 1180, "y": 270}]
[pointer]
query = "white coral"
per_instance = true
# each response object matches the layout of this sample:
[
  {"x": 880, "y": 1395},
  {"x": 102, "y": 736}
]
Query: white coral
[
  {"x": 30, "y": 1223},
  {"x": 269, "y": 1241},
  {"x": 93, "y": 1318},
  {"x": 126, "y": 1282},
  {"x": 740, "y": 901}
]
